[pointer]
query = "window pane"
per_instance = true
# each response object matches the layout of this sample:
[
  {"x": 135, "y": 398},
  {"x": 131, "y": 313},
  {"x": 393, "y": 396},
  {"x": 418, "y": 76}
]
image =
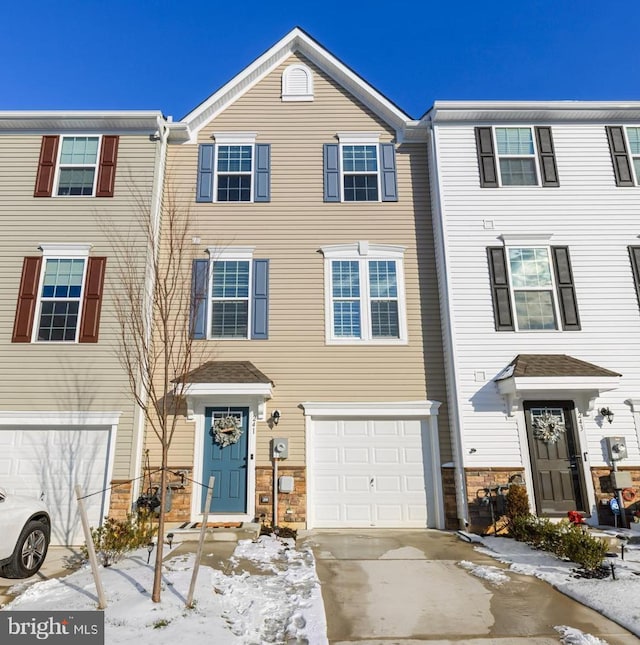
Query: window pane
[
  {"x": 534, "y": 310},
  {"x": 229, "y": 319},
  {"x": 346, "y": 319},
  {"x": 518, "y": 172},
  {"x": 361, "y": 188},
  {"x": 530, "y": 268},
  {"x": 384, "y": 319},
  {"x": 79, "y": 150},
  {"x": 234, "y": 188},
  {"x": 633, "y": 134},
  {"x": 382, "y": 279},
  {"x": 58, "y": 320},
  {"x": 230, "y": 279},
  {"x": 359, "y": 159},
  {"x": 636, "y": 165},
  {"x": 345, "y": 279},
  {"x": 234, "y": 158},
  {"x": 514, "y": 141},
  {"x": 76, "y": 181},
  {"x": 63, "y": 279}
]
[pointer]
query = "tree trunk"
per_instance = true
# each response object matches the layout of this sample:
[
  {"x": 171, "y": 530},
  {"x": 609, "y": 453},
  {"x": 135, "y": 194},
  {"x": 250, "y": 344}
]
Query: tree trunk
[{"x": 157, "y": 571}]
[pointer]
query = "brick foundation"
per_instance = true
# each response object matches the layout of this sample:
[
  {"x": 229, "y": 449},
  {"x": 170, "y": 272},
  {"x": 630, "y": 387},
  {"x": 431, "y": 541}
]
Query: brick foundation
[
  {"x": 451, "y": 522},
  {"x": 120, "y": 504},
  {"x": 604, "y": 492},
  {"x": 295, "y": 502}
]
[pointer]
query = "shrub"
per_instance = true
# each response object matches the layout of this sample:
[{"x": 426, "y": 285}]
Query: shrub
[
  {"x": 516, "y": 503},
  {"x": 563, "y": 539},
  {"x": 116, "y": 537}
]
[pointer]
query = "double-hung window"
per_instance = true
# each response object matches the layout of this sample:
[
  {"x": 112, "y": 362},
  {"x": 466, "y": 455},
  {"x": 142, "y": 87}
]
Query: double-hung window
[
  {"x": 230, "y": 295},
  {"x": 516, "y": 156},
  {"x": 234, "y": 169},
  {"x": 532, "y": 286},
  {"x": 60, "y": 295},
  {"x": 359, "y": 169},
  {"x": 365, "y": 290},
  {"x": 77, "y": 166}
]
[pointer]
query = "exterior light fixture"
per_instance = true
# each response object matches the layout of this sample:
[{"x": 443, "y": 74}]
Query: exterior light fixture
[
  {"x": 607, "y": 414},
  {"x": 170, "y": 539},
  {"x": 150, "y": 548},
  {"x": 276, "y": 417}
]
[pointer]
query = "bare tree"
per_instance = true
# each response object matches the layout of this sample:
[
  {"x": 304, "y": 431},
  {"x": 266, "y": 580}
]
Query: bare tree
[{"x": 152, "y": 307}]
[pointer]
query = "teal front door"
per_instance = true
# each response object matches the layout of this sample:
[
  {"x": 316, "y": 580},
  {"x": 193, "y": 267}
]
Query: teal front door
[{"x": 228, "y": 464}]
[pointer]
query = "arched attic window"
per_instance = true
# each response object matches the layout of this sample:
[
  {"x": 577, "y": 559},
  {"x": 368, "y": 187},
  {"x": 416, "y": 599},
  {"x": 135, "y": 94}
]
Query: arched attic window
[{"x": 297, "y": 83}]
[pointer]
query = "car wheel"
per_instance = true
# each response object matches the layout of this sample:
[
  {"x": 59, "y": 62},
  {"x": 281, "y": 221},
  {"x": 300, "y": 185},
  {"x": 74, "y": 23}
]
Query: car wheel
[{"x": 30, "y": 551}]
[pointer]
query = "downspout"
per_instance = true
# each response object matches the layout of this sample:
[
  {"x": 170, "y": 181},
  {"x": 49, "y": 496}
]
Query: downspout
[
  {"x": 155, "y": 213},
  {"x": 446, "y": 314}
]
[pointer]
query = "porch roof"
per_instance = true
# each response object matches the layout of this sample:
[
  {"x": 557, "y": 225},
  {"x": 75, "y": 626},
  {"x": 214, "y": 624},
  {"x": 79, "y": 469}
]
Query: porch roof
[
  {"x": 226, "y": 372},
  {"x": 530, "y": 365}
]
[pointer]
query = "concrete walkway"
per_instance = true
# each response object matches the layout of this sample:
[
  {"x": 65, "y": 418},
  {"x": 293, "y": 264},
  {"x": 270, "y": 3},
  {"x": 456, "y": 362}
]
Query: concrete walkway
[{"x": 404, "y": 586}]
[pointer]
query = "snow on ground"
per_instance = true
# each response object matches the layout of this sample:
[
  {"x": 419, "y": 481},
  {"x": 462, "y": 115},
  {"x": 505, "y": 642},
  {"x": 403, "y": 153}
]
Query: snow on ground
[
  {"x": 492, "y": 574},
  {"x": 280, "y": 603},
  {"x": 618, "y": 600}
]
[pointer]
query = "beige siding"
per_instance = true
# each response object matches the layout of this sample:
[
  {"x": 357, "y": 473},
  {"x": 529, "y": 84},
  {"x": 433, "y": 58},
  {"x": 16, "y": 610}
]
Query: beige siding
[
  {"x": 68, "y": 377},
  {"x": 290, "y": 231}
]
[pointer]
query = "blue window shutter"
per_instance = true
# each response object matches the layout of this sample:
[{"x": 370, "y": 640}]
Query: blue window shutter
[
  {"x": 388, "y": 178},
  {"x": 260, "y": 317},
  {"x": 198, "y": 318},
  {"x": 204, "y": 190},
  {"x": 262, "y": 173},
  {"x": 331, "y": 172}
]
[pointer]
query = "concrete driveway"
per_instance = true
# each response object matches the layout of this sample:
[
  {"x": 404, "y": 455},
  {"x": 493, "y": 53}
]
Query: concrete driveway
[{"x": 405, "y": 586}]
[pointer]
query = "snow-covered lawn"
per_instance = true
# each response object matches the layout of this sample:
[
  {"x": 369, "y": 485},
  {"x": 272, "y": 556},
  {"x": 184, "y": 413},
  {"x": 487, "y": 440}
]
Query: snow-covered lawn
[{"x": 280, "y": 602}]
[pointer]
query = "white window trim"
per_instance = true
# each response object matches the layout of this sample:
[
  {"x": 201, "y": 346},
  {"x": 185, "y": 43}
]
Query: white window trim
[
  {"x": 69, "y": 251},
  {"x": 359, "y": 139},
  {"x": 630, "y": 154},
  {"x": 532, "y": 242},
  {"x": 234, "y": 139},
  {"x": 223, "y": 254},
  {"x": 362, "y": 252},
  {"x": 287, "y": 95},
  {"x": 536, "y": 161},
  {"x": 56, "y": 179}
]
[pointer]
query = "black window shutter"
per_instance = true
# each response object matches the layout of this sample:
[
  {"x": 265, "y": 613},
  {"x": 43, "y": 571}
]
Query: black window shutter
[
  {"x": 619, "y": 156},
  {"x": 502, "y": 313},
  {"x": 547, "y": 157},
  {"x": 566, "y": 290},
  {"x": 634, "y": 255},
  {"x": 486, "y": 158}
]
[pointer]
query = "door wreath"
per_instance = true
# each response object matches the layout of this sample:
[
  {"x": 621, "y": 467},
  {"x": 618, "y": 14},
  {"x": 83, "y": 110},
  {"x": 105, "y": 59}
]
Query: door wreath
[
  {"x": 548, "y": 428},
  {"x": 226, "y": 431}
]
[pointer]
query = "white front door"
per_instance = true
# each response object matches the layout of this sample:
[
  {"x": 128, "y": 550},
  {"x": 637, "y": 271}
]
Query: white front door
[{"x": 368, "y": 473}]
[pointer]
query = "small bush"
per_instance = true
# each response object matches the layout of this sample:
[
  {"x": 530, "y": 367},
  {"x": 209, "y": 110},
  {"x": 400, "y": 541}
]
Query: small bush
[
  {"x": 563, "y": 539},
  {"x": 516, "y": 503},
  {"x": 116, "y": 537}
]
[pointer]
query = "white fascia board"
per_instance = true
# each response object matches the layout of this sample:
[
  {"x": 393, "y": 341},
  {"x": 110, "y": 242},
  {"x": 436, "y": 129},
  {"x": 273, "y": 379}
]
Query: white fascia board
[
  {"x": 367, "y": 409},
  {"x": 295, "y": 41},
  {"x": 242, "y": 389},
  {"x": 521, "y": 384},
  {"x": 532, "y": 111},
  {"x": 36, "y": 418},
  {"x": 132, "y": 122}
]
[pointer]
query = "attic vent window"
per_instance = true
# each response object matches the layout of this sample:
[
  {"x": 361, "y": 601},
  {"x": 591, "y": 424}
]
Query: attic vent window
[{"x": 297, "y": 83}]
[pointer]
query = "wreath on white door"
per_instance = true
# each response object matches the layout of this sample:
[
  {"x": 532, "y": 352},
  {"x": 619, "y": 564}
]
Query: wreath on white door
[
  {"x": 226, "y": 431},
  {"x": 548, "y": 428}
]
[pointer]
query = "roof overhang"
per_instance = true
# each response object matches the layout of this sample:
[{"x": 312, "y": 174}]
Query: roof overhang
[
  {"x": 56, "y": 122},
  {"x": 532, "y": 111},
  {"x": 583, "y": 390}
]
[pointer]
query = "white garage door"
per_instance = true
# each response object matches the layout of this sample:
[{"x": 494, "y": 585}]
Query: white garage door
[
  {"x": 368, "y": 473},
  {"x": 48, "y": 463}
]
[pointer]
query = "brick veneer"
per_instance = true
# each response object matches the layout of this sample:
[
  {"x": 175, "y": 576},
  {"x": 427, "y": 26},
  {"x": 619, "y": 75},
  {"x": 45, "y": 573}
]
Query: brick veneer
[
  {"x": 295, "y": 502},
  {"x": 604, "y": 492}
]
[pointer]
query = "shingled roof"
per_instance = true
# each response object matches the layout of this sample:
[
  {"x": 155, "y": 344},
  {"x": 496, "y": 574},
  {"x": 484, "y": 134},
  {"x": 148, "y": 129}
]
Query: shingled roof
[
  {"x": 225, "y": 372},
  {"x": 531, "y": 365}
]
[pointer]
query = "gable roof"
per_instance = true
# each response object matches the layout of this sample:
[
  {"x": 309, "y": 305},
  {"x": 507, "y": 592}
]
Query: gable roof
[
  {"x": 532, "y": 365},
  {"x": 225, "y": 372},
  {"x": 296, "y": 41}
]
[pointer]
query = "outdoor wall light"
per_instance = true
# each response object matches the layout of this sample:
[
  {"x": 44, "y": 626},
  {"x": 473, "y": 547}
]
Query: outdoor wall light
[
  {"x": 607, "y": 414},
  {"x": 150, "y": 548},
  {"x": 276, "y": 417}
]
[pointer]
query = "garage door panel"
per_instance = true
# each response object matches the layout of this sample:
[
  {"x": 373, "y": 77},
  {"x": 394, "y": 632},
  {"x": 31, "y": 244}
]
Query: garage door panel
[
  {"x": 48, "y": 462},
  {"x": 377, "y": 478}
]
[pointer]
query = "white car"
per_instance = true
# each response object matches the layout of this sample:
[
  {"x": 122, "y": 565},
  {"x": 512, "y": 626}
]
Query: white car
[{"x": 25, "y": 529}]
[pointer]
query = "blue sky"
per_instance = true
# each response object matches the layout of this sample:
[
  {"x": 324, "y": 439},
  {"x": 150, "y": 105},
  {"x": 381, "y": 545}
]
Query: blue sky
[{"x": 167, "y": 55}]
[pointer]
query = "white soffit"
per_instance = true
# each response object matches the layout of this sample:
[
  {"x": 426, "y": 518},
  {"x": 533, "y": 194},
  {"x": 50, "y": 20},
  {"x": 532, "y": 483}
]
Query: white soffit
[{"x": 59, "y": 122}]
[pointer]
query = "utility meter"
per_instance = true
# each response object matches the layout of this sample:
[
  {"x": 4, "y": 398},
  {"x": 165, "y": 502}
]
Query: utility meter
[
  {"x": 617, "y": 447},
  {"x": 279, "y": 448}
]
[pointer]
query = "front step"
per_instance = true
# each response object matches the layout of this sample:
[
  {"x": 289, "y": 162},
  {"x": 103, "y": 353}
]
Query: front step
[{"x": 216, "y": 531}]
